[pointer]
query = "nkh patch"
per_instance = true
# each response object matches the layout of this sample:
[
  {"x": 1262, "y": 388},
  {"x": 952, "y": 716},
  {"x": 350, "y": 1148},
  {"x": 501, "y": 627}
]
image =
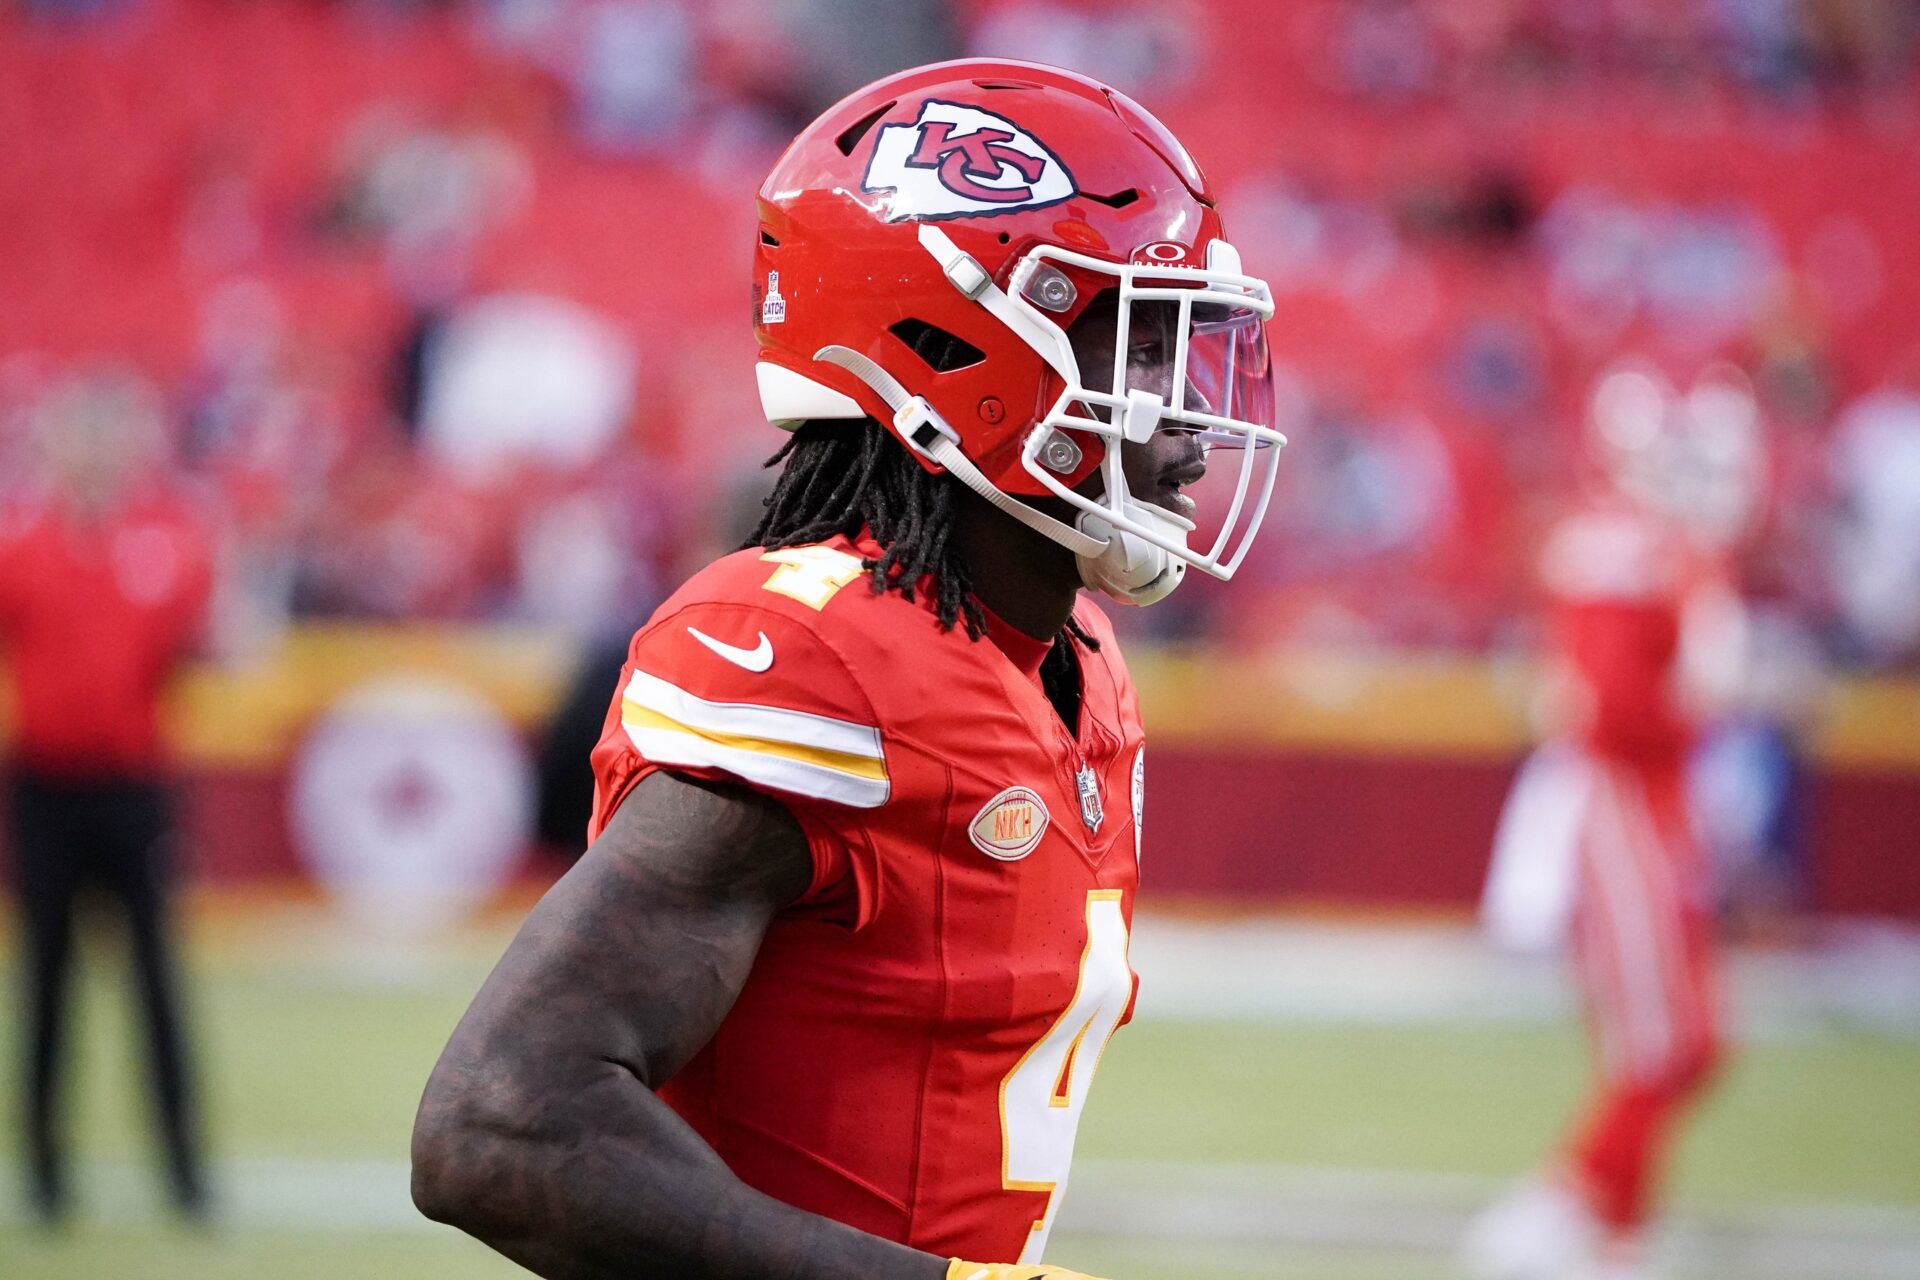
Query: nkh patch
[
  {"x": 1009, "y": 826},
  {"x": 958, "y": 161}
]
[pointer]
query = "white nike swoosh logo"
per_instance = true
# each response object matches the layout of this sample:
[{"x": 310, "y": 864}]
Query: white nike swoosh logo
[{"x": 756, "y": 659}]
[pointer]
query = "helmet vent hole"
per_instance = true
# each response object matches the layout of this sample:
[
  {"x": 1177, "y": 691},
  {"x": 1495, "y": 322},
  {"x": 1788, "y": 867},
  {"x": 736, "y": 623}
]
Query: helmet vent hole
[
  {"x": 850, "y": 138},
  {"x": 1118, "y": 200},
  {"x": 1007, "y": 84},
  {"x": 768, "y": 239},
  {"x": 943, "y": 352}
]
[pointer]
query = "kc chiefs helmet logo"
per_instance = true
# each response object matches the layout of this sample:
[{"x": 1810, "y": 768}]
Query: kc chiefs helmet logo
[
  {"x": 958, "y": 161},
  {"x": 984, "y": 153}
]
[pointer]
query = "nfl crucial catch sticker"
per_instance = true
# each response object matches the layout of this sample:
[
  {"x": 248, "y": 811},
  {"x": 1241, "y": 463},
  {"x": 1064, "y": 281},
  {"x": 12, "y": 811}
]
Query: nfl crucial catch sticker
[
  {"x": 773, "y": 307},
  {"x": 957, "y": 161},
  {"x": 1009, "y": 826}
]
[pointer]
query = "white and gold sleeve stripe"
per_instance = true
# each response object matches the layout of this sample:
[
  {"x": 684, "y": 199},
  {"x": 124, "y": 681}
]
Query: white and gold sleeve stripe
[{"x": 792, "y": 751}]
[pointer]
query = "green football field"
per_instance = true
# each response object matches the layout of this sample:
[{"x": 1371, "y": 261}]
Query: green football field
[{"x": 1286, "y": 1146}]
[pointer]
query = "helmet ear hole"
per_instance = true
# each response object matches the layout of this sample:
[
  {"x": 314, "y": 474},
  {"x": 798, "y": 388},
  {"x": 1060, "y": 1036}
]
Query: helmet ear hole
[{"x": 941, "y": 351}]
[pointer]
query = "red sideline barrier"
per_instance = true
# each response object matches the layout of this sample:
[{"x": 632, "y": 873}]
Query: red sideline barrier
[
  {"x": 1269, "y": 826},
  {"x": 1301, "y": 775}
]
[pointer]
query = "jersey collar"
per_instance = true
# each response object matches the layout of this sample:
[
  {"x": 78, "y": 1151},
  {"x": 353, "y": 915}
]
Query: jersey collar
[{"x": 1021, "y": 649}]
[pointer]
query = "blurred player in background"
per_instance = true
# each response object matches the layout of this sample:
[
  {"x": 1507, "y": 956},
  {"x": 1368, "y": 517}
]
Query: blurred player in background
[
  {"x": 1599, "y": 840},
  {"x": 826, "y": 994},
  {"x": 104, "y": 582}
]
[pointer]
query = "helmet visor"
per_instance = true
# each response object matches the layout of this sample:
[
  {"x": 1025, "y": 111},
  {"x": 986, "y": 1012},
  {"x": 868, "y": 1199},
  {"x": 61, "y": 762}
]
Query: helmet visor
[{"x": 1227, "y": 375}]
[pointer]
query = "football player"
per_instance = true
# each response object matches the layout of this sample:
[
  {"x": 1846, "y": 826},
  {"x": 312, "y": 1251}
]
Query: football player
[
  {"x": 1647, "y": 638},
  {"x": 826, "y": 994}
]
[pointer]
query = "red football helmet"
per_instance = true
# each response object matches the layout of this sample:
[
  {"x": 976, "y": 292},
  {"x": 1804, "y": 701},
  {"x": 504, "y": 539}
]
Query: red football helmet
[
  {"x": 1696, "y": 458},
  {"x": 926, "y": 244}
]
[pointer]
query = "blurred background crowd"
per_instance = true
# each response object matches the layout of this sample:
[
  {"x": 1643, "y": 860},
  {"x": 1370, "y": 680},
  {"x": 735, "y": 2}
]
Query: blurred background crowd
[{"x": 441, "y": 306}]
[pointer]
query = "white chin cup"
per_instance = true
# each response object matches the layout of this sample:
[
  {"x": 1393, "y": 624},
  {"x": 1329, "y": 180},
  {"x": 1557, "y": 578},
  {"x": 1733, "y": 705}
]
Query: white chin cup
[{"x": 1131, "y": 569}]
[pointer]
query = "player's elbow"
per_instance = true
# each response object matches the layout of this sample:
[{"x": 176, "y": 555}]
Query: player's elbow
[
  {"x": 440, "y": 1150},
  {"x": 466, "y": 1163}
]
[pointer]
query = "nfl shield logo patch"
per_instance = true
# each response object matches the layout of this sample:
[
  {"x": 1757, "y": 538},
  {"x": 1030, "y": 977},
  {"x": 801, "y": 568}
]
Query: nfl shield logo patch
[{"x": 1091, "y": 811}]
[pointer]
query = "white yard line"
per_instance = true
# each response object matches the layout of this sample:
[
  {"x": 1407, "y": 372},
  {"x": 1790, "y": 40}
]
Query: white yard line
[
  {"x": 1289, "y": 1211},
  {"x": 1424, "y": 1214},
  {"x": 1305, "y": 970},
  {"x": 251, "y": 1194}
]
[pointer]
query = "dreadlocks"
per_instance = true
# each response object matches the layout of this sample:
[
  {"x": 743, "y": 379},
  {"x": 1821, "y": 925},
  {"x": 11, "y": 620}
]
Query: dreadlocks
[{"x": 841, "y": 477}]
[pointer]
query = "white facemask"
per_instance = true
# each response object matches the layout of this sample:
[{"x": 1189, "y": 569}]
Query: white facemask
[{"x": 1122, "y": 413}]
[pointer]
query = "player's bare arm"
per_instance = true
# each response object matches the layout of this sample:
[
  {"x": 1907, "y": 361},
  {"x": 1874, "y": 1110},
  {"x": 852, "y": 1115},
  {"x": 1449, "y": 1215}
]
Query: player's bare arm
[{"x": 540, "y": 1133}]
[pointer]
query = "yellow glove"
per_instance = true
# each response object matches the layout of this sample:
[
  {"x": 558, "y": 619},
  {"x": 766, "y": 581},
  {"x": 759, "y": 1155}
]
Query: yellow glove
[{"x": 959, "y": 1270}]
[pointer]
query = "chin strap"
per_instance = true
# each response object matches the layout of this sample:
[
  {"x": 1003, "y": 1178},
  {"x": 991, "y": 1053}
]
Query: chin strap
[
  {"x": 928, "y": 434},
  {"x": 1131, "y": 569}
]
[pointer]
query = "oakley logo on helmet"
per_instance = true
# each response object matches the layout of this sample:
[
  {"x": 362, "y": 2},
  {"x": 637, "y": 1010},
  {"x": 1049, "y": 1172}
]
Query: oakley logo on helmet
[
  {"x": 1168, "y": 253},
  {"x": 957, "y": 161}
]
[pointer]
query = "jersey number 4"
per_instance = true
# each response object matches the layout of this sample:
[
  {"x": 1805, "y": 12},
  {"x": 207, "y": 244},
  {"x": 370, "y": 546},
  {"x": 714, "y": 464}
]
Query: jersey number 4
[
  {"x": 1041, "y": 1098},
  {"x": 811, "y": 575}
]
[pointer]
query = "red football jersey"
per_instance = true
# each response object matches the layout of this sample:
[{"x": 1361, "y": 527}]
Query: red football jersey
[
  {"x": 914, "y": 1045},
  {"x": 1619, "y": 582},
  {"x": 94, "y": 619}
]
